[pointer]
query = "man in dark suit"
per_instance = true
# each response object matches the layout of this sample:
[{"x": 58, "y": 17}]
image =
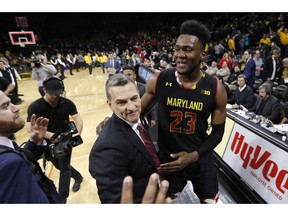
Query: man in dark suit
[
  {"x": 267, "y": 105},
  {"x": 112, "y": 66},
  {"x": 10, "y": 74},
  {"x": 119, "y": 151},
  {"x": 243, "y": 95},
  {"x": 6, "y": 86},
  {"x": 271, "y": 66},
  {"x": 250, "y": 68}
]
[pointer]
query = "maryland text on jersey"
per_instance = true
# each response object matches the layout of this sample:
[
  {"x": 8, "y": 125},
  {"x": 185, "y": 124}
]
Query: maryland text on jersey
[{"x": 178, "y": 102}]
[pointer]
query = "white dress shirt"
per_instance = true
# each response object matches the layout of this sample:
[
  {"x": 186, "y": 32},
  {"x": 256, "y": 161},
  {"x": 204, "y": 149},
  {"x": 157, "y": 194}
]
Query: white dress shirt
[{"x": 6, "y": 142}]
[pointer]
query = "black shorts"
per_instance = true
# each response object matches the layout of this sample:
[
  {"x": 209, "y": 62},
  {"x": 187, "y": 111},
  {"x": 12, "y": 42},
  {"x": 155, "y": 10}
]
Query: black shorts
[{"x": 203, "y": 176}]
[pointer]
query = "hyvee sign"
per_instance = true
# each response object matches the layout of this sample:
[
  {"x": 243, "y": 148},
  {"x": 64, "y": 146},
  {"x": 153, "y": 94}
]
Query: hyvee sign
[{"x": 261, "y": 164}]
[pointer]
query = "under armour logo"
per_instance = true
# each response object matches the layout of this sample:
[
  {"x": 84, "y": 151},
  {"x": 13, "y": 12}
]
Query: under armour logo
[{"x": 169, "y": 84}]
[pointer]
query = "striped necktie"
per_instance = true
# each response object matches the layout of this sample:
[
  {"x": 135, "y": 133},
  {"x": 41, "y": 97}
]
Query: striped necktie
[{"x": 148, "y": 143}]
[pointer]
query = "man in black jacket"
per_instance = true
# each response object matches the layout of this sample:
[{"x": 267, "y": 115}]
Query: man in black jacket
[
  {"x": 243, "y": 95},
  {"x": 119, "y": 151},
  {"x": 267, "y": 105},
  {"x": 271, "y": 66}
]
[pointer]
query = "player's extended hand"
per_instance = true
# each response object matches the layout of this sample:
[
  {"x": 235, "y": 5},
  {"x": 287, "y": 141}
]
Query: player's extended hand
[
  {"x": 152, "y": 194},
  {"x": 183, "y": 159}
]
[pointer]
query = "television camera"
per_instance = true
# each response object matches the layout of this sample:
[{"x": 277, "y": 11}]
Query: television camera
[
  {"x": 63, "y": 142},
  {"x": 37, "y": 62}
]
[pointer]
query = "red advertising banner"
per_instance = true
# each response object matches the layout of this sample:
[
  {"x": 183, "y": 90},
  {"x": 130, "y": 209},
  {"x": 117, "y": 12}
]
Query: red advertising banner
[{"x": 262, "y": 165}]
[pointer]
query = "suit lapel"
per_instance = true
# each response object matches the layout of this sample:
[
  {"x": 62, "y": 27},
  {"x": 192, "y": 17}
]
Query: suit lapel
[
  {"x": 136, "y": 141},
  {"x": 133, "y": 138}
]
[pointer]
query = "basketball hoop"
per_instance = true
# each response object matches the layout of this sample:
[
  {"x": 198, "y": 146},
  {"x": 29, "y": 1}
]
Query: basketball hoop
[{"x": 22, "y": 38}]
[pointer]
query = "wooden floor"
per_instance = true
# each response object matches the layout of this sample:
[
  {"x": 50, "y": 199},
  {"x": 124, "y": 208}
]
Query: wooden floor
[{"x": 88, "y": 93}]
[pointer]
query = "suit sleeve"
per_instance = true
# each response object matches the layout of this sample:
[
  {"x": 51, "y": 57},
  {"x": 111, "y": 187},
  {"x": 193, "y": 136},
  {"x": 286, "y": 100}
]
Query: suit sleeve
[
  {"x": 117, "y": 66},
  {"x": 265, "y": 72},
  {"x": 109, "y": 165},
  {"x": 249, "y": 103},
  {"x": 275, "y": 112},
  {"x": 18, "y": 184},
  {"x": 36, "y": 150}
]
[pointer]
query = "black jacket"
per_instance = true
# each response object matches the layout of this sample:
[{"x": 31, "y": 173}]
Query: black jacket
[
  {"x": 118, "y": 152},
  {"x": 271, "y": 110}
]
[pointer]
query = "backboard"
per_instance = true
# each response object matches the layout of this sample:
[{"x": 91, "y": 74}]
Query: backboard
[
  {"x": 21, "y": 22},
  {"x": 22, "y": 38}
]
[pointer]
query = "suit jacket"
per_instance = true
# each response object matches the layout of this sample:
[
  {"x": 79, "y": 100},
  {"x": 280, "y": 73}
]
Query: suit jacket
[
  {"x": 18, "y": 183},
  {"x": 244, "y": 98},
  {"x": 271, "y": 110},
  {"x": 268, "y": 68},
  {"x": 132, "y": 61},
  {"x": 249, "y": 72},
  {"x": 118, "y": 152},
  {"x": 7, "y": 73},
  {"x": 116, "y": 65}
]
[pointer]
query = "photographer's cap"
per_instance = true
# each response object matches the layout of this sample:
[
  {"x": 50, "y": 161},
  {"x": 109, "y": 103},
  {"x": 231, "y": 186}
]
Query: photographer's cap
[{"x": 54, "y": 85}]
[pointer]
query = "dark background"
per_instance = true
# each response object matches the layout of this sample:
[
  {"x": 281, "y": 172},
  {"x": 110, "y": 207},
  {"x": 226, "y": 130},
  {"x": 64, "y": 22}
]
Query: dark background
[
  {"x": 76, "y": 27},
  {"x": 91, "y": 26}
]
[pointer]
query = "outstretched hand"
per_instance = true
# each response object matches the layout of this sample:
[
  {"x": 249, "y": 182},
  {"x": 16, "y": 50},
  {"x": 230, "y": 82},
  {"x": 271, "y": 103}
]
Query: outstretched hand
[
  {"x": 183, "y": 159},
  {"x": 38, "y": 129},
  {"x": 152, "y": 194}
]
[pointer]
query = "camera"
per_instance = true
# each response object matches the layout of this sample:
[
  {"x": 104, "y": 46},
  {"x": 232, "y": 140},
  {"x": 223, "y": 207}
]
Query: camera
[
  {"x": 63, "y": 142},
  {"x": 37, "y": 62}
]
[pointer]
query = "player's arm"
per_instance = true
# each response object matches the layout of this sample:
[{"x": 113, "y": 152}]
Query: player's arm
[
  {"x": 218, "y": 119},
  {"x": 148, "y": 99}
]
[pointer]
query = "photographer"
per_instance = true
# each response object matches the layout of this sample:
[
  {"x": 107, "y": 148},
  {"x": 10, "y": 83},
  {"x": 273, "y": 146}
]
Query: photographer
[
  {"x": 41, "y": 71},
  {"x": 58, "y": 110}
]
